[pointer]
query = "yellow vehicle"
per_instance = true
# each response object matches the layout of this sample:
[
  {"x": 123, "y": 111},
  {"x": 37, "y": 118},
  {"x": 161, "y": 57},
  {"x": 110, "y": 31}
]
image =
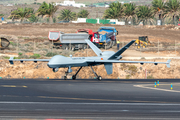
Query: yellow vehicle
[
  {"x": 4, "y": 43},
  {"x": 142, "y": 42}
]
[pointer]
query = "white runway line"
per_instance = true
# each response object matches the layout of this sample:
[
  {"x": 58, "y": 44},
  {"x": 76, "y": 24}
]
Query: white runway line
[
  {"x": 145, "y": 86},
  {"x": 70, "y": 103}
]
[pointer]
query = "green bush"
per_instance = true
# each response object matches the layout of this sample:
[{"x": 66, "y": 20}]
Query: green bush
[
  {"x": 50, "y": 54},
  {"x": 150, "y": 77},
  {"x": 17, "y": 58},
  {"x": 20, "y": 54},
  {"x": 5, "y": 57},
  {"x": 27, "y": 45},
  {"x": 35, "y": 56},
  {"x": 133, "y": 69},
  {"x": 12, "y": 43},
  {"x": 128, "y": 76}
]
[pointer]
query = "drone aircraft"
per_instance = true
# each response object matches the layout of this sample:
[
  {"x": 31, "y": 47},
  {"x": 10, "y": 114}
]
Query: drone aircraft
[{"x": 106, "y": 58}]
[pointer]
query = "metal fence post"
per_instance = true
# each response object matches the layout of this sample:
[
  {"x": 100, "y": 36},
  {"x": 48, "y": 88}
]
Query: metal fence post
[
  {"x": 175, "y": 47},
  {"x": 34, "y": 46},
  {"x": 52, "y": 47},
  {"x": 17, "y": 46},
  {"x": 158, "y": 48}
]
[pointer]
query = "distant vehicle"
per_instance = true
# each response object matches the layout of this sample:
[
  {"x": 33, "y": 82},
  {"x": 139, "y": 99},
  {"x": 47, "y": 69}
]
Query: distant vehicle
[
  {"x": 68, "y": 41},
  {"x": 105, "y": 58},
  {"x": 4, "y": 43},
  {"x": 100, "y": 40},
  {"x": 142, "y": 42},
  {"x": 93, "y": 36},
  {"x": 110, "y": 36}
]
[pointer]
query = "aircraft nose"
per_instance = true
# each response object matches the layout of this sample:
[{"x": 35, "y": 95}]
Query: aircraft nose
[{"x": 49, "y": 65}]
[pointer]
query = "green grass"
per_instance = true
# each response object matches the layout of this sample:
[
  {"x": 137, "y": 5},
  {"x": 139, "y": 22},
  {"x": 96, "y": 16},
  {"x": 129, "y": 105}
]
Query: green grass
[
  {"x": 35, "y": 56},
  {"x": 50, "y": 54},
  {"x": 5, "y": 57},
  {"x": 12, "y": 43}
]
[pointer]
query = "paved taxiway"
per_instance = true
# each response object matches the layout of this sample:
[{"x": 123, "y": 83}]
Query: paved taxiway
[{"x": 89, "y": 99}]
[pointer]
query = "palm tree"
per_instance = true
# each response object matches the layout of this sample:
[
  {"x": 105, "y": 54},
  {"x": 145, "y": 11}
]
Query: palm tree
[
  {"x": 47, "y": 10},
  {"x": 33, "y": 18},
  {"x": 172, "y": 9},
  {"x": 129, "y": 11},
  {"x": 114, "y": 11},
  {"x": 145, "y": 14},
  {"x": 159, "y": 8},
  {"x": 83, "y": 14},
  {"x": 1, "y": 15},
  {"x": 67, "y": 15},
  {"x": 21, "y": 13}
]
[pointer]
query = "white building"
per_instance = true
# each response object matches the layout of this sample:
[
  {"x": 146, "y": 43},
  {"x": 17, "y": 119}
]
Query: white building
[{"x": 71, "y": 3}]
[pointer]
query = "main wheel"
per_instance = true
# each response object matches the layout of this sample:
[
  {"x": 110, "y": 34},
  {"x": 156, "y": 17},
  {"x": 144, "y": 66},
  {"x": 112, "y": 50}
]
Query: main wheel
[
  {"x": 99, "y": 78},
  {"x": 65, "y": 77},
  {"x": 73, "y": 77},
  {"x": 113, "y": 42}
]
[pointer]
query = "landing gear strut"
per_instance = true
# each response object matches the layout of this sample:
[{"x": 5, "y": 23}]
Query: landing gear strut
[
  {"x": 68, "y": 71},
  {"x": 65, "y": 77},
  {"x": 97, "y": 77},
  {"x": 74, "y": 76}
]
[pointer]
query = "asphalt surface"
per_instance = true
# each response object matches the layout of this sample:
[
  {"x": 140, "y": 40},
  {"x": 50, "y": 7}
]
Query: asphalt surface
[{"x": 89, "y": 99}]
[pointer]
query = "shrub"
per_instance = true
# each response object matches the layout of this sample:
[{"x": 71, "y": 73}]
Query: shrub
[
  {"x": 50, "y": 54},
  {"x": 150, "y": 77},
  {"x": 12, "y": 43},
  {"x": 27, "y": 45},
  {"x": 20, "y": 54},
  {"x": 5, "y": 57},
  {"x": 16, "y": 57},
  {"x": 35, "y": 56},
  {"x": 128, "y": 76},
  {"x": 133, "y": 69}
]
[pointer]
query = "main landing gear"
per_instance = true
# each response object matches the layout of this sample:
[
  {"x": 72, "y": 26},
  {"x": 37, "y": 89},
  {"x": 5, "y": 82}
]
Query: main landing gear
[
  {"x": 68, "y": 71},
  {"x": 98, "y": 77},
  {"x": 74, "y": 76}
]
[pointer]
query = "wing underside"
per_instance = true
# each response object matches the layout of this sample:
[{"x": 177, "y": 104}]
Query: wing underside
[
  {"x": 122, "y": 61},
  {"x": 11, "y": 60}
]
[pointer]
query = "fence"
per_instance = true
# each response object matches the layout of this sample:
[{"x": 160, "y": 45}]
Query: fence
[
  {"x": 40, "y": 49},
  {"x": 104, "y": 21},
  {"x": 93, "y": 21}
]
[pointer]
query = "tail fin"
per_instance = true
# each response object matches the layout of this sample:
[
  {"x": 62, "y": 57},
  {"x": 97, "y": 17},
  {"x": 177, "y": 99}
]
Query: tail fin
[
  {"x": 95, "y": 48},
  {"x": 168, "y": 63},
  {"x": 118, "y": 53},
  {"x": 11, "y": 60}
]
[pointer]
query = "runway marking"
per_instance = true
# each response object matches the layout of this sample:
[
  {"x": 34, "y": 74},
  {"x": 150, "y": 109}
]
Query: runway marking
[
  {"x": 79, "y": 98},
  {"x": 13, "y": 86},
  {"x": 71, "y": 103},
  {"x": 145, "y": 86},
  {"x": 128, "y": 101}
]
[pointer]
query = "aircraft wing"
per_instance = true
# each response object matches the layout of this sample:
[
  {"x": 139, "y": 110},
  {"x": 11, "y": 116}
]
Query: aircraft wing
[
  {"x": 122, "y": 61},
  {"x": 11, "y": 60}
]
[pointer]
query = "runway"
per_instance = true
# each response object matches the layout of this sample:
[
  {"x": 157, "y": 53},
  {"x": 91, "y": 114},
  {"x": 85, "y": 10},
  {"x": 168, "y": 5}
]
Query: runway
[{"x": 89, "y": 99}]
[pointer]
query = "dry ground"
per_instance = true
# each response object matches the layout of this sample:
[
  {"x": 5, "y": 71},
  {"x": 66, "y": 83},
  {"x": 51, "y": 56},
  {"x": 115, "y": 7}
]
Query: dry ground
[{"x": 28, "y": 32}]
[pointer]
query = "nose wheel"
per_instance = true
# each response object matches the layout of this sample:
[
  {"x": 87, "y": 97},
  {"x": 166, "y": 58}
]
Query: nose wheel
[
  {"x": 65, "y": 77},
  {"x": 74, "y": 76},
  {"x": 99, "y": 78}
]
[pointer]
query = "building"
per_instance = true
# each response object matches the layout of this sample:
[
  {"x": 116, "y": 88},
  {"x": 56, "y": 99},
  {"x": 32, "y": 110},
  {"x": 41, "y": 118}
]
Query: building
[{"x": 71, "y": 3}]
